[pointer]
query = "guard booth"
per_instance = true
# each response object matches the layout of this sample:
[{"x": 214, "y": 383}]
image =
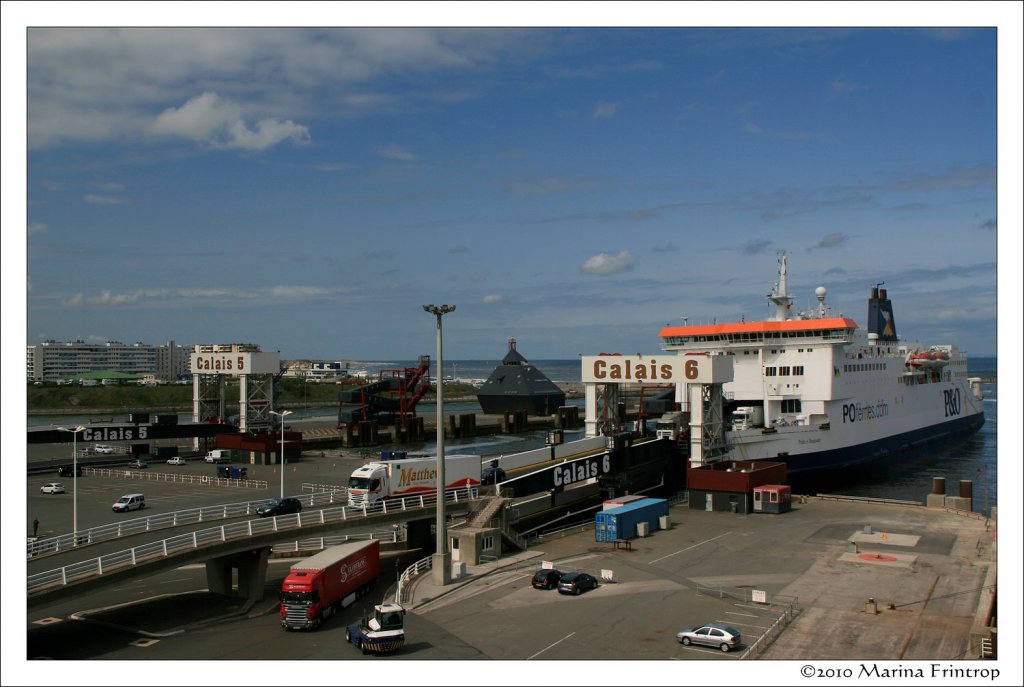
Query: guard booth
[{"x": 772, "y": 498}]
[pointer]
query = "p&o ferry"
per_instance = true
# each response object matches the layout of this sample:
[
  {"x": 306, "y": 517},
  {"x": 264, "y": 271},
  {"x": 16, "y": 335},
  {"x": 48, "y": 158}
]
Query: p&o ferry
[{"x": 820, "y": 394}]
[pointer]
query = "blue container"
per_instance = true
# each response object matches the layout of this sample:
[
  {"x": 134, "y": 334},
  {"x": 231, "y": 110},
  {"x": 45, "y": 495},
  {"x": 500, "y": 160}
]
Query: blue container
[{"x": 621, "y": 522}]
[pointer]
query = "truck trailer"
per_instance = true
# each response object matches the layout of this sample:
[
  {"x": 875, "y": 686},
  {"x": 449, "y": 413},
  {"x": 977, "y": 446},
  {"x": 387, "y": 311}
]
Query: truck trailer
[
  {"x": 319, "y": 586},
  {"x": 376, "y": 482}
]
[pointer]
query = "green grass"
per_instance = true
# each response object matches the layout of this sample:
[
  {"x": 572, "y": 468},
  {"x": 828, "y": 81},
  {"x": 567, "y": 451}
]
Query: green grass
[{"x": 130, "y": 397}]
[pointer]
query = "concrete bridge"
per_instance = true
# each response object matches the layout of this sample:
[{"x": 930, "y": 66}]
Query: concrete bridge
[{"x": 243, "y": 546}]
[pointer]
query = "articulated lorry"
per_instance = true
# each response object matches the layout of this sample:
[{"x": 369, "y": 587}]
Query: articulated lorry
[
  {"x": 319, "y": 586},
  {"x": 376, "y": 482},
  {"x": 381, "y": 634}
]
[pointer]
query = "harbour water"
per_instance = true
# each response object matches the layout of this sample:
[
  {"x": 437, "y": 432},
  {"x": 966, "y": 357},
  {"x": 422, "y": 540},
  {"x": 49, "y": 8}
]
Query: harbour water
[{"x": 976, "y": 459}]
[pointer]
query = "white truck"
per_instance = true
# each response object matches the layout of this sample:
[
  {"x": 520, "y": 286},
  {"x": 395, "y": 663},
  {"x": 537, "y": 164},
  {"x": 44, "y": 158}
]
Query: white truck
[
  {"x": 218, "y": 455},
  {"x": 377, "y": 481},
  {"x": 669, "y": 425},
  {"x": 747, "y": 417}
]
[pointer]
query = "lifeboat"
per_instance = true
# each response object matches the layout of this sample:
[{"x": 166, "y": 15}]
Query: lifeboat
[{"x": 929, "y": 360}]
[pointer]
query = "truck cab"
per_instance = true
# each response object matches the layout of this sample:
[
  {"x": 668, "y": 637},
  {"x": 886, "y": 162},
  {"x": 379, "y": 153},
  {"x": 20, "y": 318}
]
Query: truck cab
[
  {"x": 381, "y": 634},
  {"x": 669, "y": 426},
  {"x": 747, "y": 417},
  {"x": 368, "y": 484}
]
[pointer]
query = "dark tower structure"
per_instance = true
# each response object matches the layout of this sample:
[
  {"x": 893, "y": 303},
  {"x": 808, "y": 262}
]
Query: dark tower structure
[{"x": 518, "y": 385}]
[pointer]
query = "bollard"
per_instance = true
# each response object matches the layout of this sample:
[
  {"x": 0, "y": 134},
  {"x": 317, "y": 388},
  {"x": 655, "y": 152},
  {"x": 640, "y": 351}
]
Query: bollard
[
  {"x": 871, "y": 607},
  {"x": 851, "y": 547},
  {"x": 867, "y": 529}
]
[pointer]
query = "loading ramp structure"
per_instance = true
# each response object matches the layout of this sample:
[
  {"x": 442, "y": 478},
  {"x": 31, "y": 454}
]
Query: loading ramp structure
[{"x": 390, "y": 399}]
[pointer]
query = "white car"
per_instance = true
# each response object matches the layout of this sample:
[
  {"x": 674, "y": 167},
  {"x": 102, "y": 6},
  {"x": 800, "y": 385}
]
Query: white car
[
  {"x": 103, "y": 449},
  {"x": 177, "y": 460},
  {"x": 52, "y": 488}
]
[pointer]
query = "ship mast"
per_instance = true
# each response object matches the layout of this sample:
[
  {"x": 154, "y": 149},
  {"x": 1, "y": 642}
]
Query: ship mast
[{"x": 780, "y": 294}]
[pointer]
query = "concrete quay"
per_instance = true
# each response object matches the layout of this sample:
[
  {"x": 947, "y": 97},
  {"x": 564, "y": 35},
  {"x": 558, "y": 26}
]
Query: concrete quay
[{"x": 844, "y": 580}]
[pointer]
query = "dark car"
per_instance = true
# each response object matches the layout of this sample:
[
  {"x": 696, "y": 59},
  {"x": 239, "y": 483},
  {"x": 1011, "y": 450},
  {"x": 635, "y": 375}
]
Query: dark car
[
  {"x": 717, "y": 635},
  {"x": 546, "y": 579},
  {"x": 576, "y": 583},
  {"x": 492, "y": 475},
  {"x": 279, "y": 507},
  {"x": 68, "y": 471}
]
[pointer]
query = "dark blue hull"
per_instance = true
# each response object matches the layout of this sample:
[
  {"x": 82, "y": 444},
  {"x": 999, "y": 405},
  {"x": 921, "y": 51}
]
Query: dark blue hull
[{"x": 881, "y": 453}]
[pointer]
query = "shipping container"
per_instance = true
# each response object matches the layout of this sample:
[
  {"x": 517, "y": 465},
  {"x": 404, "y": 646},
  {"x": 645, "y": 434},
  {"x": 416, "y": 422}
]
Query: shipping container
[
  {"x": 622, "y": 501},
  {"x": 624, "y": 521}
]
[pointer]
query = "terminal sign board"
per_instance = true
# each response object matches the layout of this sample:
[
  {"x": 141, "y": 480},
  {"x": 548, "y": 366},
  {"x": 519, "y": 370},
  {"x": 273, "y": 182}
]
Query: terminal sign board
[
  {"x": 235, "y": 363},
  {"x": 656, "y": 369}
]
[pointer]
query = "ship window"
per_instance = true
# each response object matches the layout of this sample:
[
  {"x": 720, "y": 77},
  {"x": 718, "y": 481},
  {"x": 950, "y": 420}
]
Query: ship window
[
  {"x": 791, "y": 405},
  {"x": 798, "y": 369},
  {"x": 487, "y": 544},
  {"x": 784, "y": 370}
]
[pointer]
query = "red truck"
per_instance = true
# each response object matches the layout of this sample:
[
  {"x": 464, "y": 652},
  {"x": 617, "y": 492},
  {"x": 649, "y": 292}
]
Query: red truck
[{"x": 332, "y": 579}]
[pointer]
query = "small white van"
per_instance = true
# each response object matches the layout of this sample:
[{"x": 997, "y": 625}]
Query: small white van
[{"x": 129, "y": 502}]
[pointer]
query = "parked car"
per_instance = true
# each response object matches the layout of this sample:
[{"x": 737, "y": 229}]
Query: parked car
[
  {"x": 491, "y": 475},
  {"x": 279, "y": 507},
  {"x": 137, "y": 463},
  {"x": 52, "y": 488},
  {"x": 129, "y": 502},
  {"x": 103, "y": 449},
  {"x": 576, "y": 583},
  {"x": 176, "y": 460},
  {"x": 546, "y": 579},
  {"x": 712, "y": 634}
]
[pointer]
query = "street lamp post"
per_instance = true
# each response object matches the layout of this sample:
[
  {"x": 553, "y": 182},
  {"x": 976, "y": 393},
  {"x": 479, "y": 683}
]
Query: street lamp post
[
  {"x": 442, "y": 573},
  {"x": 74, "y": 478},
  {"x": 282, "y": 415}
]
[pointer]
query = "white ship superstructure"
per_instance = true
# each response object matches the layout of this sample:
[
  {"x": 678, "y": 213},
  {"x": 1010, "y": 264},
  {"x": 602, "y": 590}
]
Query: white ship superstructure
[{"x": 818, "y": 393}]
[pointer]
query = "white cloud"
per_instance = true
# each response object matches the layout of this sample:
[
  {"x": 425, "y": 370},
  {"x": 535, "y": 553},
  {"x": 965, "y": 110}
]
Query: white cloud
[
  {"x": 397, "y": 152},
  {"x": 493, "y": 298},
  {"x": 211, "y": 119},
  {"x": 605, "y": 263},
  {"x": 93, "y": 199},
  {"x": 35, "y": 228},
  {"x": 605, "y": 110}
]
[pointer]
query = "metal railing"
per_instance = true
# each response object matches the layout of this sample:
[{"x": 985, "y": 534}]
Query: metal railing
[
  {"x": 417, "y": 568},
  {"x": 768, "y": 636},
  {"x": 229, "y": 532},
  {"x": 321, "y": 543},
  {"x": 179, "y": 518},
  {"x": 175, "y": 477}
]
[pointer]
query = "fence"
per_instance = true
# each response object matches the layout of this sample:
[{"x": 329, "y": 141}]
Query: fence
[
  {"x": 789, "y": 605},
  {"x": 417, "y": 568},
  {"x": 189, "y": 516},
  {"x": 148, "y": 476},
  {"x": 233, "y": 531}
]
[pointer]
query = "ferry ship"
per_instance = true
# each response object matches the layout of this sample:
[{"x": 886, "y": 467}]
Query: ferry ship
[{"x": 820, "y": 394}]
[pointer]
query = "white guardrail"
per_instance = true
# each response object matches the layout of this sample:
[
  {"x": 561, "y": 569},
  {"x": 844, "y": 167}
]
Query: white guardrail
[
  {"x": 187, "y": 516},
  {"x": 229, "y": 532}
]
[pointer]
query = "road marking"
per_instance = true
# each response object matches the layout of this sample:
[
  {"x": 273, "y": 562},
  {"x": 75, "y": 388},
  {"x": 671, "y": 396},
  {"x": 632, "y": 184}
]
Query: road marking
[
  {"x": 745, "y": 615},
  {"x": 688, "y": 548},
  {"x": 760, "y": 627},
  {"x": 180, "y": 579},
  {"x": 551, "y": 645}
]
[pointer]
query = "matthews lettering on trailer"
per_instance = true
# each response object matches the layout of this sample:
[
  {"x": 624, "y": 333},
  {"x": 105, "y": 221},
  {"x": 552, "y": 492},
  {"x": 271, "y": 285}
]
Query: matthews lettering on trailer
[{"x": 664, "y": 369}]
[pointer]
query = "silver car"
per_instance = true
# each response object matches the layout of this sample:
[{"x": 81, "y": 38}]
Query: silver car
[{"x": 712, "y": 634}]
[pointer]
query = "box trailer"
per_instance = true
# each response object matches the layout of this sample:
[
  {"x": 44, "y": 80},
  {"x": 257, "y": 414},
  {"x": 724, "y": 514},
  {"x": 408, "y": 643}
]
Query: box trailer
[
  {"x": 319, "y": 586},
  {"x": 631, "y": 520}
]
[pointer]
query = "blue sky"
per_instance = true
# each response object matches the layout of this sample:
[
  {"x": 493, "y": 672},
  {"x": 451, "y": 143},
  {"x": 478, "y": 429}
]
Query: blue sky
[{"x": 308, "y": 190}]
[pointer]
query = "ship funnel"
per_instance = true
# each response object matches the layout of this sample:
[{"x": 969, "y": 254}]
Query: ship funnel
[{"x": 880, "y": 318}]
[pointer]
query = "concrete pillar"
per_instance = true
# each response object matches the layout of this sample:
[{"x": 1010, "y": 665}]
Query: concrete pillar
[{"x": 252, "y": 573}]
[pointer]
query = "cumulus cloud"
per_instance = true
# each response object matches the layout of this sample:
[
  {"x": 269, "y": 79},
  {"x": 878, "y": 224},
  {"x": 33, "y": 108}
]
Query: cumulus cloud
[
  {"x": 217, "y": 121},
  {"x": 605, "y": 263},
  {"x": 460, "y": 249},
  {"x": 35, "y": 228},
  {"x": 668, "y": 247},
  {"x": 108, "y": 298},
  {"x": 493, "y": 298},
  {"x": 382, "y": 254}
]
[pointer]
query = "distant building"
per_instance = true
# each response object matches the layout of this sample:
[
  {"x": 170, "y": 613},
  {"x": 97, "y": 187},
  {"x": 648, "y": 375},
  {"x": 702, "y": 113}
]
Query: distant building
[
  {"x": 55, "y": 361},
  {"x": 315, "y": 370}
]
